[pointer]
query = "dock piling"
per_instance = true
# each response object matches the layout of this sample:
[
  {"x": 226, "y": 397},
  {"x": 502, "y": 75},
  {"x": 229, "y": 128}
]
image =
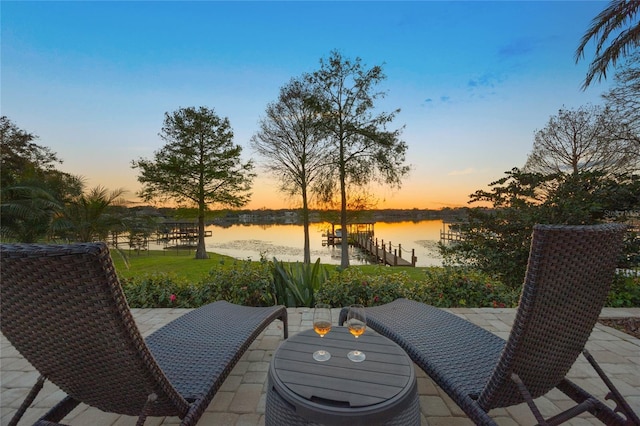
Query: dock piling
[{"x": 388, "y": 256}]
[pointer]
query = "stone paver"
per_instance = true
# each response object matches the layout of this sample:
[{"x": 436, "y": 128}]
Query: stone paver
[{"x": 241, "y": 399}]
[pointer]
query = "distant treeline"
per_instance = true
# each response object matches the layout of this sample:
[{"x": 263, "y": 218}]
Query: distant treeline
[{"x": 294, "y": 216}]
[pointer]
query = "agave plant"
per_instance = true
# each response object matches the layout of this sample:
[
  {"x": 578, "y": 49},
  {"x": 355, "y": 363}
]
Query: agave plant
[{"x": 296, "y": 283}]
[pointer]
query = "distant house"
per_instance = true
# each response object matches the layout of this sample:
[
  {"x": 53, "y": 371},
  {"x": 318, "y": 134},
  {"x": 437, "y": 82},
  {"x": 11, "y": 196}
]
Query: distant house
[{"x": 247, "y": 218}]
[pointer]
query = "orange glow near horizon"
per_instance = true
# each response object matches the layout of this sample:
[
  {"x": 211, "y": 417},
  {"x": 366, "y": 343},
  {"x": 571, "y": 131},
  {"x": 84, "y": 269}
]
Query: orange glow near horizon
[
  {"x": 410, "y": 196},
  {"x": 263, "y": 199},
  {"x": 413, "y": 193}
]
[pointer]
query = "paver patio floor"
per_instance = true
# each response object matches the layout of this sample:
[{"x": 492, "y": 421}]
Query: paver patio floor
[{"x": 241, "y": 400}]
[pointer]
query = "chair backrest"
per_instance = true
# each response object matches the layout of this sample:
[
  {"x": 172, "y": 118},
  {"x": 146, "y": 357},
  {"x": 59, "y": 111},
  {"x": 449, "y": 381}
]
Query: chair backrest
[
  {"x": 569, "y": 273},
  {"x": 63, "y": 309}
]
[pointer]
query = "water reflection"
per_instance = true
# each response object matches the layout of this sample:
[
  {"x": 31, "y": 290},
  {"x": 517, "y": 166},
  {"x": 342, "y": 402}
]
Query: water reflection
[{"x": 286, "y": 242}]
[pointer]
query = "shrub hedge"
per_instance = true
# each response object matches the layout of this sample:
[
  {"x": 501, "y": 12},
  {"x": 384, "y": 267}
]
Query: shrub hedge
[
  {"x": 252, "y": 284},
  {"x": 344, "y": 288},
  {"x": 625, "y": 291}
]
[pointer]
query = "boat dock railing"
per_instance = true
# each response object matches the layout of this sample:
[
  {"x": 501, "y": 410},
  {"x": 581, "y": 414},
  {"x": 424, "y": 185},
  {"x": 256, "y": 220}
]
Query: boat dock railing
[
  {"x": 385, "y": 253},
  {"x": 451, "y": 231}
]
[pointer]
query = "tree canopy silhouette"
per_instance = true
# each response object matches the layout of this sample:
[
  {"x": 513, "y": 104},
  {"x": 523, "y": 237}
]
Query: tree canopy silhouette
[{"x": 199, "y": 165}]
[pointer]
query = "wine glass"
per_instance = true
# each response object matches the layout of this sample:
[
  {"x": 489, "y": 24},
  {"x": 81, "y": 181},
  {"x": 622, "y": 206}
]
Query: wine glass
[
  {"x": 357, "y": 323},
  {"x": 322, "y": 325}
]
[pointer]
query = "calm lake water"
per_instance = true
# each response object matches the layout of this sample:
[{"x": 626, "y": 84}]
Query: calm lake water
[{"x": 286, "y": 242}]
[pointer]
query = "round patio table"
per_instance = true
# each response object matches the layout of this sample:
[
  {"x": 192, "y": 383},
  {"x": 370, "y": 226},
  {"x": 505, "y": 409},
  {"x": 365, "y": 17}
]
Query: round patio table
[{"x": 380, "y": 390}]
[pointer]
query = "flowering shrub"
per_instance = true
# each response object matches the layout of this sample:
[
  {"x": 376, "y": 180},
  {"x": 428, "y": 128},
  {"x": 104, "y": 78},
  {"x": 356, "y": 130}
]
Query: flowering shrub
[
  {"x": 450, "y": 287},
  {"x": 442, "y": 287},
  {"x": 251, "y": 283},
  {"x": 353, "y": 286},
  {"x": 245, "y": 283},
  {"x": 159, "y": 290}
]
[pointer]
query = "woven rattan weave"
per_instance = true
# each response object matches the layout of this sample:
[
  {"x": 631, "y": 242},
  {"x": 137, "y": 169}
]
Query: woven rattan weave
[
  {"x": 568, "y": 277},
  {"x": 64, "y": 310}
]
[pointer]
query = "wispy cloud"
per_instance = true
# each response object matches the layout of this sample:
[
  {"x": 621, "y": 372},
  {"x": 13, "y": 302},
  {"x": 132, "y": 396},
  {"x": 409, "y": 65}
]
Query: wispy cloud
[
  {"x": 467, "y": 171},
  {"x": 444, "y": 99},
  {"x": 485, "y": 80},
  {"x": 517, "y": 48}
]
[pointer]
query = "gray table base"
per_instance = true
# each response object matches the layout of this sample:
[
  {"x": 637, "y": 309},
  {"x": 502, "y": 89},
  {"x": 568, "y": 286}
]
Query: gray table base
[{"x": 279, "y": 412}]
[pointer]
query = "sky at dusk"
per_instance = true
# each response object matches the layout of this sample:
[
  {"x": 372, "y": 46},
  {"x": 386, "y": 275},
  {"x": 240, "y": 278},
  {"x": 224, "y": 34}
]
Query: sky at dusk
[{"x": 474, "y": 80}]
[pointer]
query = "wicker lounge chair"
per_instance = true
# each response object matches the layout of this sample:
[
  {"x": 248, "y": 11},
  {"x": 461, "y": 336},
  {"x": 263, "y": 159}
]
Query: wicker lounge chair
[
  {"x": 64, "y": 310},
  {"x": 569, "y": 272}
]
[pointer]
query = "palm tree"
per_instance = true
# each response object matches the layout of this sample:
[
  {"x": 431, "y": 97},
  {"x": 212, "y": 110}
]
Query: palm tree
[
  {"x": 27, "y": 211},
  {"x": 86, "y": 217},
  {"x": 618, "y": 15}
]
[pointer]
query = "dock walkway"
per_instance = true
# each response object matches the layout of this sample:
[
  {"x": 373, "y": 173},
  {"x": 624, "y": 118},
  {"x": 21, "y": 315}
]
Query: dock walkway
[
  {"x": 360, "y": 235},
  {"x": 385, "y": 253}
]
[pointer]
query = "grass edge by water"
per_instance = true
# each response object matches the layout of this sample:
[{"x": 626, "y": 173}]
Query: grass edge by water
[{"x": 183, "y": 264}]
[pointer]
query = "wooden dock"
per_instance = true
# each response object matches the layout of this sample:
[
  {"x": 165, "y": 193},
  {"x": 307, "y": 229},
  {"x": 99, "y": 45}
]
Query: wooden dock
[
  {"x": 361, "y": 235},
  {"x": 333, "y": 236},
  {"x": 450, "y": 232},
  {"x": 384, "y": 253},
  {"x": 179, "y": 235}
]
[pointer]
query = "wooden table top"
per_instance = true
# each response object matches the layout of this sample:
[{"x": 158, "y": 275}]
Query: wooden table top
[{"x": 385, "y": 377}]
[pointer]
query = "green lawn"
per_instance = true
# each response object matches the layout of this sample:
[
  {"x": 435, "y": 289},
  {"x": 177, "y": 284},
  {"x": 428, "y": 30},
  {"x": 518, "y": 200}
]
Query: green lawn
[
  {"x": 416, "y": 273},
  {"x": 184, "y": 265}
]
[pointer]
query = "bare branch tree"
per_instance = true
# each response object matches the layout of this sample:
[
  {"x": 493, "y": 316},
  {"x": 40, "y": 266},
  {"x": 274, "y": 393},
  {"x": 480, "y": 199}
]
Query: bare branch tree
[
  {"x": 624, "y": 100},
  {"x": 579, "y": 140},
  {"x": 293, "y": 146}
]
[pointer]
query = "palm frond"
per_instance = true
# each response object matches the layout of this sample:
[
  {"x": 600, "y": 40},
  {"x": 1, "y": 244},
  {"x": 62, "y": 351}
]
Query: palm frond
[{"x": 613, "y": 18}]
